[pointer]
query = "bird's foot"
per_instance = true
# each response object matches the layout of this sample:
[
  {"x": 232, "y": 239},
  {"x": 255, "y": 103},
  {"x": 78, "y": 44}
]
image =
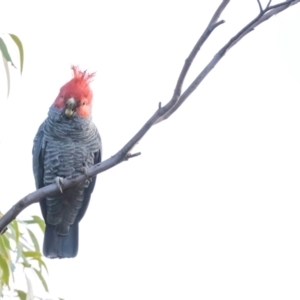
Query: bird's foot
[
  {"x": 84, "y": 170},
  {"x": 59, "y": 182}
]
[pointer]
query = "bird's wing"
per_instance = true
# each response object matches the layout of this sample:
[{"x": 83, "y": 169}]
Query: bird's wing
[
  {"x": 88, "y": 191},
  {"x": 38, "y": 152}
]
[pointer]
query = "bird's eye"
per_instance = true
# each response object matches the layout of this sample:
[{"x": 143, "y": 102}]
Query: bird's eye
[{"x": 83, "y": 103}]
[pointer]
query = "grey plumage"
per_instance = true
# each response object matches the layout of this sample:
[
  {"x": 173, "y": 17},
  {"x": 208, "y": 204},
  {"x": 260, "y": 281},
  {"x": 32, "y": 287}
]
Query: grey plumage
[{"x": 63, "y": 147}]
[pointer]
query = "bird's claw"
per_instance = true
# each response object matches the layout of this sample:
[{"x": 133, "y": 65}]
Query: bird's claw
[
  {"x": 84, "y": 171},
  {"x": 88, "y": 180},
  {"x": 59, "y": 182}
]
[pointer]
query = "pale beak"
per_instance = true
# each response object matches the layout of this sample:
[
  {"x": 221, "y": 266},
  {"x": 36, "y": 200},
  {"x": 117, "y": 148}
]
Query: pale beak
[{"x": 70, "y": 108}]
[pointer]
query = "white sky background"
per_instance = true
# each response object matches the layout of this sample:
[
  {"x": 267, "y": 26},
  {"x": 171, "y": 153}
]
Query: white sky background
[{"x": 210, "y": 210}]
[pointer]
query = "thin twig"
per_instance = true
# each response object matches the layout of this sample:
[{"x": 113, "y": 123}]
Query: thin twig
[
  {"x": 263, "y": 16},
  {"x": 260, "y": 6},
  {"x": 128, "y": 156},
  {"x": 270, "y": 12},
  {"x": 212, "y": 25},
  {"x": 269, "y": 3}
]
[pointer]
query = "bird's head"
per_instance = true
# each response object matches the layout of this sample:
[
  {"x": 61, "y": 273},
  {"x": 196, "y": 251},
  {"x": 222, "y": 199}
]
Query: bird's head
[{"x": 75, "y": 97}]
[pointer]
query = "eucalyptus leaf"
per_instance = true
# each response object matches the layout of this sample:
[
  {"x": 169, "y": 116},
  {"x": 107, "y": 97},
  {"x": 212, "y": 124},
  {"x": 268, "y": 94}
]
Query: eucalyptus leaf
[
  {"x": 39, "y": 274},
  {"x": 21, "y": 50},
  {"x": 21, "y": 294},
  {"x": 5, "y": 269},
  {"x": 34, "y": 240},
  {"x": 5, "y": 52}
]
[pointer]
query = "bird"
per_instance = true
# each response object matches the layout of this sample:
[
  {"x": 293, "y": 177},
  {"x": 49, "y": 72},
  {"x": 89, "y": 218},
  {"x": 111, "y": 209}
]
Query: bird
[{"x": 66, "y": 144}]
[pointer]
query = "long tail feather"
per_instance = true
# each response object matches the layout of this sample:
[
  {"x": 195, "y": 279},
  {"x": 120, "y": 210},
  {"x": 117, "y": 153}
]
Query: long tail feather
[{"x": 57, "y": 246}]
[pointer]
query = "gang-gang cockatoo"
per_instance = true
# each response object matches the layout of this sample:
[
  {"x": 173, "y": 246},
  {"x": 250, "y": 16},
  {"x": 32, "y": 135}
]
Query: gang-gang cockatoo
[{"x": 66, "y": 144}]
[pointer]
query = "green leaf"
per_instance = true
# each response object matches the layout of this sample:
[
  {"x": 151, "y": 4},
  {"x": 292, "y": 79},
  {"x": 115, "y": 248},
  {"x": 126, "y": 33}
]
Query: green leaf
[
  {"x": 21, "y": 294},
  {"x": 15, "y": 226},
  {"x": 26, "y": 265},
  {"x": 32, "y": 254},
  {"x": 21, "y": 50},
  {"x": 34, "y": 240},
  {"x": 40, "y": 222},
  {"x": 3, "y": 250},
  {"x": 29, "y": 295},
  {"x": 41, "y": 262},
  {"x": 5, "y": 52},
  {"x": 39, "y": 274},
  {"x": 7, "y": 74},
  {"x": 5, "y": 268},
  {"x": 6, "y": 242}
]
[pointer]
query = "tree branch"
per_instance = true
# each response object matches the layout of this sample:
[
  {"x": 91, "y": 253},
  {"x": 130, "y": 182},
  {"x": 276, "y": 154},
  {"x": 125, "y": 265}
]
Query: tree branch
[
  {"x": 263, "y": 16},
  {"x": 213, "y": 24},
  {"x": 162, "y": 113}
]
